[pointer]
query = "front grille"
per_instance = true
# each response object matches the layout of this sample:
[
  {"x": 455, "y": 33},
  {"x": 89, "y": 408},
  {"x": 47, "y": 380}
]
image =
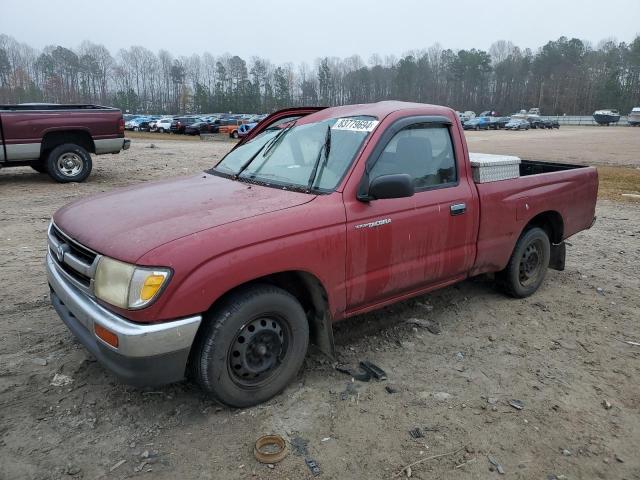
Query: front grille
[{"x": 76, "y": 261}]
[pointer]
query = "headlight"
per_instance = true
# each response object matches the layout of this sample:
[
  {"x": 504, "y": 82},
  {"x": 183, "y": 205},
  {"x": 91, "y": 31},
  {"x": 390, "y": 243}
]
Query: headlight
[{"x": 128, "y": 286}]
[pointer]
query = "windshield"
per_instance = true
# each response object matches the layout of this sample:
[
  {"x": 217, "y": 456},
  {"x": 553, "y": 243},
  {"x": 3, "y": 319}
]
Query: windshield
[{"x": 313, "y": 156}]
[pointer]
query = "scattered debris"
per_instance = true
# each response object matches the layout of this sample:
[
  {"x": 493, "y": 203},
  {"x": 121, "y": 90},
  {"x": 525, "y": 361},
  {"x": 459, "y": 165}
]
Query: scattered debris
[
  {"x": 350, "y": 389},
  {"x": 631, "y": 195},
  {"x": 152, "y": 145},
  {"x": 600, "y": 290},
  {"x": 496, "y": 464},
  {"x": 566, "y": 453},
  {"x": 492, "y": 400},
  {"x": 517, "y": 404},
  {"x": 270, "y": 449},
  {"x": 313, "y": 466},
  {"x": 39, "y": 361},
  {"x": 325, "y": 439},
  {"x": 606, "y": 404},
  {"x": 408, "y": 472},
  {"x": 492, "y": 338},
  {"x": 60, "y": 380},
  {"x": 391, "y": 388},
  {"x": 368, "y": 371},
  {"x": 431, "y": 326},
  {"x": 618, "y": 458},
  {"x": 361, "y": 376},
  {"x": 300, "y": 446},
  {"x": 629, "y": 342},
  {"x": 373, "y": 370},
  {"x": 459, "y": 356},
  {"x": 422, "y": 460},
  {"x": 416, "y": 433},
  {"x": 120, "y": 463},
  {"x": 465, "y": 463}
]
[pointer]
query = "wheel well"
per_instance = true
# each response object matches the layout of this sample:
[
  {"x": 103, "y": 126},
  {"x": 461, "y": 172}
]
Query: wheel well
[
  {"x": 551, "y": 222},
  {"x": 79, "y": 137},
  {"x": 311, "y": 294}
]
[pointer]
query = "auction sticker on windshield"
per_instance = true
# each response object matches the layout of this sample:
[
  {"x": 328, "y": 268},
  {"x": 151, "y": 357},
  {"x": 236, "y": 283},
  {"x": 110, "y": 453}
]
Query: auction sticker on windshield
[{"x": 355, "y": 125}]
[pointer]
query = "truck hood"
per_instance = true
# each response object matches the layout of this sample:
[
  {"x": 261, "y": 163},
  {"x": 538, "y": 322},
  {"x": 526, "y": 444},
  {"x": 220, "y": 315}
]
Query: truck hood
[{"x": 125, "y": 224}]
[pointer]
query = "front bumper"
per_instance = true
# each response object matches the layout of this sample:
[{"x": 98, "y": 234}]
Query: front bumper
[{"x": 152, "y": 354}]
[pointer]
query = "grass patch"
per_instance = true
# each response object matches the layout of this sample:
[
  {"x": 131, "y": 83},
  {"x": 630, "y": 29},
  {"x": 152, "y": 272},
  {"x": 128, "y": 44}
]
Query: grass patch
[
  {"x": 614, "y": 181},
  {"x": 155, "y": 136}
]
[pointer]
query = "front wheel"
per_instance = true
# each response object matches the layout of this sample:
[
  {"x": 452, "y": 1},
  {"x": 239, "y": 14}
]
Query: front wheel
[
  {"x": 69, "y": 163},
  {"x": 528, "y": 264},
  {"x": 251, "y": 346}
]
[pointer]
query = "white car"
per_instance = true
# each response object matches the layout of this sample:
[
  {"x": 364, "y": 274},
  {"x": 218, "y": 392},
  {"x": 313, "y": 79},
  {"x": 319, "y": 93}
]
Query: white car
[{"x": 163, "y": 124}]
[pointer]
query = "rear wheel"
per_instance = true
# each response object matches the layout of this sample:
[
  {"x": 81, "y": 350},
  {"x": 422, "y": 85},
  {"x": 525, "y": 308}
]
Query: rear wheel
[
  {"x": 528, "y": 264},
  {"x": 161, "y": 130},
  {"x": 251, "y": 346},
  {"x": 69, "y": 163},
  {"x": 235, "y": 134}
]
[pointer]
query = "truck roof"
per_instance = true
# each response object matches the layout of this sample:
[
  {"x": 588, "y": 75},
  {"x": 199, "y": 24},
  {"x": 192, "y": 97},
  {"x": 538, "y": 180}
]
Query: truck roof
[
  {"x": 53, "y": 106},
  {"x": 379, "y": 110}
]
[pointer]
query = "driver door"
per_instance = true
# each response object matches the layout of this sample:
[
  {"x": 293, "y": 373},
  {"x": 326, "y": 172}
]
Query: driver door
[{"x": 398, "y": 246}]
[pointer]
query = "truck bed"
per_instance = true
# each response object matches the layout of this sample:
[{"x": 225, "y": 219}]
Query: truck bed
[
  {"x": 535, "y": 167},
  {"x": 568, "y": 191}
]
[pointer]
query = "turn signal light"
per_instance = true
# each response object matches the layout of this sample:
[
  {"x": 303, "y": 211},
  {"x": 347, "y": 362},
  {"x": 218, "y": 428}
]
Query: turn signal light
[{"x": 107, "y": 336}]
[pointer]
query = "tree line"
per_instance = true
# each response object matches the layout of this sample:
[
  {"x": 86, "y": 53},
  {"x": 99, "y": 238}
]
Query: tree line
[{"x": 565, "y": 76}]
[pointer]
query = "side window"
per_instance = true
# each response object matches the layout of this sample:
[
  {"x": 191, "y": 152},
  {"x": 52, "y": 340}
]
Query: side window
[{"x": 423, "y": 151}]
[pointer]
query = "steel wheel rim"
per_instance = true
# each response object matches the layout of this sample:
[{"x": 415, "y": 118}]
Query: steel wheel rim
[
  {"x": 70, "y": 164},
  {"x": 258, "y": 350},
  {"x": 530, "y": 263}
]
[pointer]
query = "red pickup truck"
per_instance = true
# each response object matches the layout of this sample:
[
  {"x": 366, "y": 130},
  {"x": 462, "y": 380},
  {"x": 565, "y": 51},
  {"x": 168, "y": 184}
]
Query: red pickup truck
[
  {"x": 316, "y": 216},
  {"x": 58, "y": 139}
]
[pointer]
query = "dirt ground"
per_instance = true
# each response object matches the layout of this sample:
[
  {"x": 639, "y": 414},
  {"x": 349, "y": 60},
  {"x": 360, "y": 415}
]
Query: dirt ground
[
  {"x": 619, "y": 146},
  {"x": 561, "y": 352}
]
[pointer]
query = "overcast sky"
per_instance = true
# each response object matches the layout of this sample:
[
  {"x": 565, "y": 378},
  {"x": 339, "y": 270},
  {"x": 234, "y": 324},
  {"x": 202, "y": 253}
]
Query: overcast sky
[{"x": 302, "y": 30}]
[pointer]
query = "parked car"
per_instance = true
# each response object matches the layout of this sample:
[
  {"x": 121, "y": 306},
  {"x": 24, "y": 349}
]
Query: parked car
[
  {"x": 133, "y": 123},
  {"x": 517, "y": 124},
  {"x": 543, "y": 123},
  {"x": 178, "y": 124},
  {"x": 243, "y": 130},
  {"x": 144, "y": 125},
  {"x": 200, "y": 127},
  {"x": 232, "y": 272},
  {"x": 499, "y": 123},
  {"x": 228, "y": 125},
  {"x": 162, "y": 125},
  {"x": 59, "y": 139},
  {"x": 477, "y": 123}
]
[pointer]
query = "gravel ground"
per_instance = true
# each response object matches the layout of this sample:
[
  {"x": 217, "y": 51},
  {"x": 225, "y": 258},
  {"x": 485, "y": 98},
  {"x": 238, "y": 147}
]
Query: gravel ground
[{"x": 562, "y": 353}]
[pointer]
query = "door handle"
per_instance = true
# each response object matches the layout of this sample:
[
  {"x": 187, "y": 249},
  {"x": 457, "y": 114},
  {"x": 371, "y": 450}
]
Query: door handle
[{"x": 458, "y": 208}]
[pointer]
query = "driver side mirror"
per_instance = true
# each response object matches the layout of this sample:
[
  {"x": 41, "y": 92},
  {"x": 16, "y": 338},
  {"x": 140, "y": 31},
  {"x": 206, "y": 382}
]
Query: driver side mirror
[{"x": 398, "y": 185}]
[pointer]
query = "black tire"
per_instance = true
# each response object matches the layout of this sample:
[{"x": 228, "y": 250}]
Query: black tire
[
  {"x": 75, "y": 156},
  {"x": 161, "y": 130},
  {"x": 528, "y": 264},
  {"x": 40, "y": 167},
  {"x": 259, "y": 323},
  {"x": 235, "y": 134}
]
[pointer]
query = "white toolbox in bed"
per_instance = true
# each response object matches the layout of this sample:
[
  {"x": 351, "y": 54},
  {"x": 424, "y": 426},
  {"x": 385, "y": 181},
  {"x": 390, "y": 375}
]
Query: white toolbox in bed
[{"x": 492, "y": 168}]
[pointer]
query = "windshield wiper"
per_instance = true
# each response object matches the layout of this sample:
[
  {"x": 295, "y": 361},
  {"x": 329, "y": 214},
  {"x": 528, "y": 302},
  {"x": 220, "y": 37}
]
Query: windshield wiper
[
  {"x": 326, "y": 148},
  {"x": 267, "y": 147}
]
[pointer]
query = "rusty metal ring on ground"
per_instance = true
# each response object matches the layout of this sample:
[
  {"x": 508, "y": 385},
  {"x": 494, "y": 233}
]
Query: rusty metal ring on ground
[{"x": 268, "y": 457}]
